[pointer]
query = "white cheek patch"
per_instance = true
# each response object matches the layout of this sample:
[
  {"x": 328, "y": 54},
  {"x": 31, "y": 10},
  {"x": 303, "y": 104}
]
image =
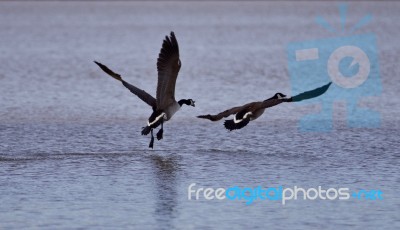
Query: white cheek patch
[
  {"x": 244, "y": 117},
  {"x": 157, "y": 118},
  {"x": 280, "y": 97}
]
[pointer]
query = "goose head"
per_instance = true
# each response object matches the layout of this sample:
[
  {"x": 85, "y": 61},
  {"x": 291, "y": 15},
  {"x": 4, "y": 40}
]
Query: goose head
[
  {"x": 279, "y": 96},
  {"x": 186, "y": 102},
  {"x": 192, "y": 103}
]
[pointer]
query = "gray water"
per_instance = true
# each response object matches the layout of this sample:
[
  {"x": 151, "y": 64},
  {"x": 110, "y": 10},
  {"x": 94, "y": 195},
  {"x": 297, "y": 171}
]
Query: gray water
[{"x": 71, "y": 153}]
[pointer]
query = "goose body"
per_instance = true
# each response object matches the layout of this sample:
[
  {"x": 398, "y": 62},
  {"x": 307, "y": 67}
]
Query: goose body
[
  {"x": 164, "y": 106},
  {"x": 171, "y": 110},
  {"x": 251, "y": 111},
  {"x": 256, "y": 109}
]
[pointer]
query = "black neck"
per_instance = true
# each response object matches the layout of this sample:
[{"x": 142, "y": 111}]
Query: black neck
[
  {"x": 273, "y": 97},
  {"x": 184, "y": 101}
]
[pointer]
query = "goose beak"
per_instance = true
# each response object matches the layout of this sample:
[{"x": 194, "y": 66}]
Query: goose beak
[{"x": 193, "y": 104}]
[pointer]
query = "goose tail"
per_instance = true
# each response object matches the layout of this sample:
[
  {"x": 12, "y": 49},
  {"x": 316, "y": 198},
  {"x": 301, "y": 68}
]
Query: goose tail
[
  {"x": 230, "y": 125},
  {"x": 243, "y": 123}
]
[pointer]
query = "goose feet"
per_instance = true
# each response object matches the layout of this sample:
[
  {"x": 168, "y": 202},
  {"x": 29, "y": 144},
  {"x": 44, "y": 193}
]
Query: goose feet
[
  {"x": 152, "y": 139},
  {"x": 160, "y": 134},
  {"x": 161, "y": 131}
]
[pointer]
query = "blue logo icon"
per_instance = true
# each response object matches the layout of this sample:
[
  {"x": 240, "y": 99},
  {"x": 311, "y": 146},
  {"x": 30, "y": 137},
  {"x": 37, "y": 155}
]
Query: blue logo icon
[{"x": 349, "y": 61}]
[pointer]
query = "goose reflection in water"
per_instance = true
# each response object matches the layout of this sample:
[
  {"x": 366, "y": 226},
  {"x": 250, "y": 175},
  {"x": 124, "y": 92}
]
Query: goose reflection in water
[{"x": 166, "y": 171}]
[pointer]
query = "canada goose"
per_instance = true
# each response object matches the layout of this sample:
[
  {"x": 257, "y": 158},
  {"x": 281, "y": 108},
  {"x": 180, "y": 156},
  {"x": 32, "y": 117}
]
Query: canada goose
[
  {"x": 164, "y": 105},
  {"x": 251, "y": 111}
]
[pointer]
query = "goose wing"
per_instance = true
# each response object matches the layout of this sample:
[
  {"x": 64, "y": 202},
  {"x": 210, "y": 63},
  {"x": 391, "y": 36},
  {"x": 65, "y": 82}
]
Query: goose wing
[
  {"x": 150, "y": 100},
  {"x": 227, "y": 112},
  {"x": 108, "y": 71},
  {"x": 168, "y": 66},
  {"x": 311, "y": 94}
]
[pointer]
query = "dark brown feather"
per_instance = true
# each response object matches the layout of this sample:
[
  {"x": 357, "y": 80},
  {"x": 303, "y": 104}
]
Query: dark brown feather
[
  {"x": 143, "y": 95},
  {"x": 168, "y": 66},
  {"x": 108, "y": 71}
]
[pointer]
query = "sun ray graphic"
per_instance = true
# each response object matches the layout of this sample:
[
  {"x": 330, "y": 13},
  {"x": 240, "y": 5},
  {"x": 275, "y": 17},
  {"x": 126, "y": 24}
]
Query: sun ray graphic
[{"x": 343, "y": 16}]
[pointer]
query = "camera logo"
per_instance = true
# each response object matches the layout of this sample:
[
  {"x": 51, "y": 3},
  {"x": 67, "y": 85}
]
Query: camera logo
[{"x": 350, "y": 61}]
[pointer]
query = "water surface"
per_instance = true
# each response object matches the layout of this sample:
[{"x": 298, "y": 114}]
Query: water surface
[{"x": 71, "y": 153}]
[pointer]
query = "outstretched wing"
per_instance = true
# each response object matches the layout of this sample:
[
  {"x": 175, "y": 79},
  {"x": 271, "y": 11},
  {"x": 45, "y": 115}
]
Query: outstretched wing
[
  {"x": 168, "y": 66},
  {"x": 311, "y": 94},
  {"x": 226, "y": 113},
  {"x": 150, "y": 100},
  {"x": 108, "y": 71}
]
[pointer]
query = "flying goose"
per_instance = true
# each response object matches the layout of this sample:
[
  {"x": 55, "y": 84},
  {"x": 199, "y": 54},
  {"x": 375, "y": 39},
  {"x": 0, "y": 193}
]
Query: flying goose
[
  {"x": 164, "y": 105},
  {"x": 251, "y": 111}
]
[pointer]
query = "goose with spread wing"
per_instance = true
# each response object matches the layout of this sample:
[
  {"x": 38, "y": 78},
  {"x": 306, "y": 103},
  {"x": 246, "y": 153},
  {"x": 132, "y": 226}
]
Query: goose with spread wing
[
  {"x": 164, "y": 106},
  {"x": 251, "y": 111}
]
